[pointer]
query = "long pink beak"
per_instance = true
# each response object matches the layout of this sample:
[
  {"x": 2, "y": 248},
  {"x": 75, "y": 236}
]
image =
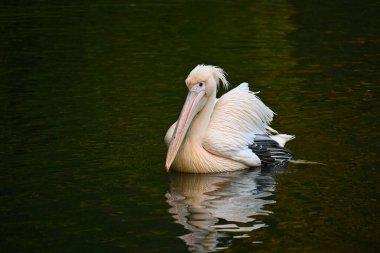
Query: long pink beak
[{"x": 194, "y": 103}]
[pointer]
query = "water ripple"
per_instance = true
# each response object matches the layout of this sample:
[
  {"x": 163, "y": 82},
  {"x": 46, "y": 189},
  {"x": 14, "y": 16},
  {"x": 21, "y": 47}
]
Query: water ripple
[{"x": 215, "y": 208}]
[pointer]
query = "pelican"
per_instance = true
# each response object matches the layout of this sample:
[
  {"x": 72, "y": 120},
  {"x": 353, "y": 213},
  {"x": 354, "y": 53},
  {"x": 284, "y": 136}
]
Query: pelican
[{"x": 226, "y": 134}]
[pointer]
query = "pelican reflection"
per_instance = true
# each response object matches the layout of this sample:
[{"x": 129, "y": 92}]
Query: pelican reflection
[{"x": 216, "y": 208}]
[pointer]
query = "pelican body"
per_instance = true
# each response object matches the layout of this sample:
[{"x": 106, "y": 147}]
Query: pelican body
[{"x": 226, "y": 134}]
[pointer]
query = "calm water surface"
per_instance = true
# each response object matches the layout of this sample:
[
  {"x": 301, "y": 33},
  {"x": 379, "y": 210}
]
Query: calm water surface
[{"x": 88, "y": 91}]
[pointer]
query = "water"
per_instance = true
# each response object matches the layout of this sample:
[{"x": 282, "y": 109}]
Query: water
[
  {"x": 88, "y": 91},
  {"x": 211, "y": 206}
]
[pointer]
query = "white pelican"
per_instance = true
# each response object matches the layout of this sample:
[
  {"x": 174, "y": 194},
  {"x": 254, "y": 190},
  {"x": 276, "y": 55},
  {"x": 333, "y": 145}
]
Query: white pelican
[{"x": 225, "y": 134}]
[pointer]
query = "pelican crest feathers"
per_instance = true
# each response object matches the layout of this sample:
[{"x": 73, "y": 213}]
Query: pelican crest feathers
[{"x": 202, "y": 70}]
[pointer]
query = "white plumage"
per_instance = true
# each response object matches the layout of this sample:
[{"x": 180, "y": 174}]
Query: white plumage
[{"x": 216, "y": 135}]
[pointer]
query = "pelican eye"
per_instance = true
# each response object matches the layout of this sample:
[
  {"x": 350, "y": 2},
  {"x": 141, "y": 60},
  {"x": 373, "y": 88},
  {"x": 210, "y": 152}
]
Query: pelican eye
[{"x": 200, "y": 84}]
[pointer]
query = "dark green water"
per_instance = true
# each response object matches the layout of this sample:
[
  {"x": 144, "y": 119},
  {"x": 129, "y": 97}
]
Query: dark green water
[{"x": 88, "y": 91}]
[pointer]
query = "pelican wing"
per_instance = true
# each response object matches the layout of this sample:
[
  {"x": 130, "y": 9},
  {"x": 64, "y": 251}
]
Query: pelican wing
[{"x": 238, "y": 117}]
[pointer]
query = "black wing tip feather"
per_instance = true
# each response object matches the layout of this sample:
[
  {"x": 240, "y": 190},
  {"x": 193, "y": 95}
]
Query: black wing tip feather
[{"x": 270, "y": 152}]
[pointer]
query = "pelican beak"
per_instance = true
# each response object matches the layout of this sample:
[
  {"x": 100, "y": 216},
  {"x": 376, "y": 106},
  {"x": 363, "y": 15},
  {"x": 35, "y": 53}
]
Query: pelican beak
[{"x": 195, "y": 101}]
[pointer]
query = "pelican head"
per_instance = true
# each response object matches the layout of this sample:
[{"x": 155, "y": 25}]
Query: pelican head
[{"x": 202, "y": 83}]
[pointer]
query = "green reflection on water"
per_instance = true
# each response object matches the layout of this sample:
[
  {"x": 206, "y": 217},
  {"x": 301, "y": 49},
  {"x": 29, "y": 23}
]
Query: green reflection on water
[{"x": 88, "y": 91}]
